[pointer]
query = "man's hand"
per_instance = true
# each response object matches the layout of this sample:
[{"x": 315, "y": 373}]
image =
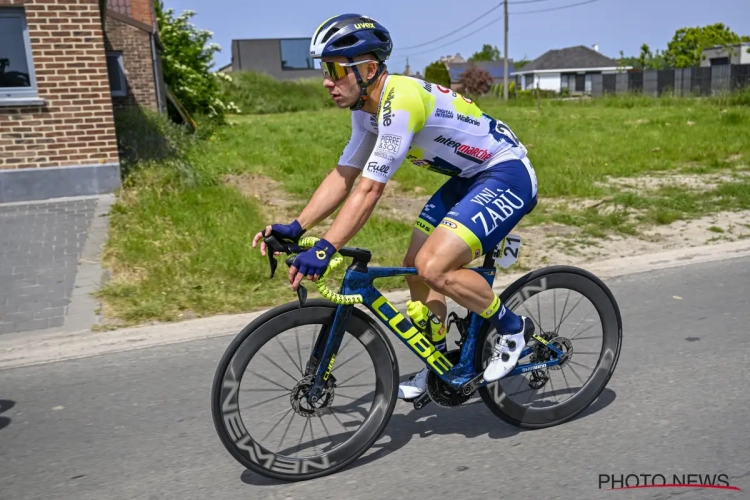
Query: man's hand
[
  {"x": 290, "y": 233},
  {"x": 311, "y": 263}
]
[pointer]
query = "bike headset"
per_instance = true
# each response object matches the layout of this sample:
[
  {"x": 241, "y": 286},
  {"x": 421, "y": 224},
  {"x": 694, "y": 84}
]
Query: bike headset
[{"x": 351, "y": 35}]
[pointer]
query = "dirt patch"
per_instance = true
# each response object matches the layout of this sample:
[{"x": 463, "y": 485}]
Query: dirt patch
[
  {"x": 550, "y": 244},
  {"x": 276, "y": 201},
  {"x": 399, "y": 206},
  {"x": 693, "y": 182}
]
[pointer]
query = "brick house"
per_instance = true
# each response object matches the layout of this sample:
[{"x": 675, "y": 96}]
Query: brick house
[{"x": 66, "y": 67}]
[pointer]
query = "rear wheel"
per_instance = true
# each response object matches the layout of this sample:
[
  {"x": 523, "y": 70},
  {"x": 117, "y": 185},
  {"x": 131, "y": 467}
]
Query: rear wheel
[
  {"x": 258, "y": 398},
  {"x": 568, "y": 307}
]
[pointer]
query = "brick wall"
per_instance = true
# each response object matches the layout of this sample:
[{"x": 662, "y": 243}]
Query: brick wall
[
  {"x": 143, "y": 11},
  {"x": 75, "y": 126},
  {"x": 135, "y": 45}
]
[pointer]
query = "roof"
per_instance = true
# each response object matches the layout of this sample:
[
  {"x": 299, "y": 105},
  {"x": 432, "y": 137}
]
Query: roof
[
  {"x": 494, "y": 67},
  {"x": 578, "y": 57}
]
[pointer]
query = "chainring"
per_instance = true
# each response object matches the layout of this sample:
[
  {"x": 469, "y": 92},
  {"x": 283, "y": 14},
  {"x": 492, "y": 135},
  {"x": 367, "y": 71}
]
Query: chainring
[{"x": 440, "y": 392}]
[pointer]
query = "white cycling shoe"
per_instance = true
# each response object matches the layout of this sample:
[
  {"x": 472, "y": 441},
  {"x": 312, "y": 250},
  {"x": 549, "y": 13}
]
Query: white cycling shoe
[
  {"x": 507, "y": 350},
  {"x": 414, "y": 387}
]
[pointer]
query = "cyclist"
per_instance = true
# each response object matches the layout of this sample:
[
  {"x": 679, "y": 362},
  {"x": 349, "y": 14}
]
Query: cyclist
[{"x": 398, "y": 119}]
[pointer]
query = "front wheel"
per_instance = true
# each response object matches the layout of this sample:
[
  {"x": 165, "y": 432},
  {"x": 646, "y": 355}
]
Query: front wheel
[
  {"x": 258, "y": 396},
  {"x": 568, "y": 306}
]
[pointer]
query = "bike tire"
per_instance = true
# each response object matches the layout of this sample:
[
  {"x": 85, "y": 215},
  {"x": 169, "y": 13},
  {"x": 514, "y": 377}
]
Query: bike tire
[
  {"x": 236, "y": 437},
  {"x": 599, "y": 294}
]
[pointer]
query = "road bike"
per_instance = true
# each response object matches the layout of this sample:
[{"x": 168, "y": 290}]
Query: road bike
[{"x": 454, "y": 377}]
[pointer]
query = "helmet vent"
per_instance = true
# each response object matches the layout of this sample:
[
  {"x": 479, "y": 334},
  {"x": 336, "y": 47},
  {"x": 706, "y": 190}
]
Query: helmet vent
[
  {"x": 330, "y": 33},
  {"x": 380, "y": 35},
  {"x": 346, "y": 41}
]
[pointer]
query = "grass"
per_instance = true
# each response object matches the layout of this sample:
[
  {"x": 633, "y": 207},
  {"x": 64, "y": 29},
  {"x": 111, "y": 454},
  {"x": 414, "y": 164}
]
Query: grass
[
  {"x": 257, "y": 93},
  {"x": 180, "y": 239}
]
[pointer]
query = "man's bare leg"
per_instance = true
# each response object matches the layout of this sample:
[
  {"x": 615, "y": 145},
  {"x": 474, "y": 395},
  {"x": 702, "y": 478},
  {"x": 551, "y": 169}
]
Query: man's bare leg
[
  {"x": 435, "y": 301},
  {"x": 440, "y": 264}
]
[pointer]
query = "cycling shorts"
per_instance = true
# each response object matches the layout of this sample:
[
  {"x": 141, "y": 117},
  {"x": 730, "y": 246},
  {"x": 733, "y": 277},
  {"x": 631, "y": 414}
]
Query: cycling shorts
[{"x": 483, "y": 209}]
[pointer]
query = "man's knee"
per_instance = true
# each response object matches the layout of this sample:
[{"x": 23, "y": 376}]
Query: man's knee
[{"x": 430, "y": 270}]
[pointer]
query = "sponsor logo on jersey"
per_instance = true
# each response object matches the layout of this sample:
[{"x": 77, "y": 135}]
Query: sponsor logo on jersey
[
  {"x": 446, "y": 91},
  {"x": 448, "y": 223},
  {"x": 373, "y": 166},
  {"x": 374, "y": 122},
  {"x": 497, "y": 206},
  {"x": 385, "y": 156},
  {"x": 390, "y": 143},
  {"x": 428, "y": 86},
  {"x": 477, "y": 155},
  {"x": 387, "y": 113},
  {"x": 468, "y": 119},
  {"x": 444, "y": 113}
]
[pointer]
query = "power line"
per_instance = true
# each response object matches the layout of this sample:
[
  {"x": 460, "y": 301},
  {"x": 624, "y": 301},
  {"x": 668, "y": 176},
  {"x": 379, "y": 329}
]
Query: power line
[
  {"x": 456, "y": 30},
  {"x": 553, "y": 8},
  {"x": 469, "y": 24},
  {"x": 494, "y": 20}
]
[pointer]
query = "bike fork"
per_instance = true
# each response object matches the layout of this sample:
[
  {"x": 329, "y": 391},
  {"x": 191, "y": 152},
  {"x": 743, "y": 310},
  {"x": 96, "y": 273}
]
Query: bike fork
[{"x": 320, "y": 366}]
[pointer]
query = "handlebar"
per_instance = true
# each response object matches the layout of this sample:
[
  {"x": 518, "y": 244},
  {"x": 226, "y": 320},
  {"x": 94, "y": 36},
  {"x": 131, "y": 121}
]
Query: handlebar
[{"x": 308, "y": 242}]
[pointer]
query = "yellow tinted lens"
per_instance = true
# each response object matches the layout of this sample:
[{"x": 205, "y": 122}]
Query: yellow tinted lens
[{"x": 333, "y": 70}]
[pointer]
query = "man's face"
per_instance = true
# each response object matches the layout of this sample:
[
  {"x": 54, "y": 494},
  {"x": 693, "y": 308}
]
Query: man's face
[{"x": 344, "y": 90}]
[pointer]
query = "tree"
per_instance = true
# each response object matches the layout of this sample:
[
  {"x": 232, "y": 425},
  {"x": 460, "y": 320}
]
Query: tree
[
  {"x": 488, "y": 53},
  {"x": 187, "y": 61},
  {"x": 521, "y": 63},
  {"x": 438, "y": 74},
  {"x": 476, "y": 80},
  {"x": 685, "y": 49}
]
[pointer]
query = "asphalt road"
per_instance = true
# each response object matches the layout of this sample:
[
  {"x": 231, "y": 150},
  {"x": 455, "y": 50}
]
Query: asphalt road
[{"x": 137, "y": 425}]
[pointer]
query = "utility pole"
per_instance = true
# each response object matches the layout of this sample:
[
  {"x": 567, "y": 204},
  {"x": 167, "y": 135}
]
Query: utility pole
[{"x": 505, "y": 53}]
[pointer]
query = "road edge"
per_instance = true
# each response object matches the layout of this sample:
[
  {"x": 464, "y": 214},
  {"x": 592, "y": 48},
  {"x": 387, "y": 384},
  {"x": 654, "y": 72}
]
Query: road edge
[{"x": 18, "y": 350}]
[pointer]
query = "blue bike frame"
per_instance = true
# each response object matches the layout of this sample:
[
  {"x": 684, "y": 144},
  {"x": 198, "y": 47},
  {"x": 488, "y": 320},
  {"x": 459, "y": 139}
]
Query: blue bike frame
[{"x": 359, "y": 280}]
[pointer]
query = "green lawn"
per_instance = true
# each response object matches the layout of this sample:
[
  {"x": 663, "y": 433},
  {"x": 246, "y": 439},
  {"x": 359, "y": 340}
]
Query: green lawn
[{"x": 180, "y": 238}]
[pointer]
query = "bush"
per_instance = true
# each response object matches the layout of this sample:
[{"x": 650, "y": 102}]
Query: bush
[
  {"x": 438, "y": 74},
  {"x": 187, "y": 62},
  {"x": 476, "y": 80}
]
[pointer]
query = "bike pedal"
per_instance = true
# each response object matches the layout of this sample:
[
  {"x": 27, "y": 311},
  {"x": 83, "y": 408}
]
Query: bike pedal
[{"x": 422, "y": 401}]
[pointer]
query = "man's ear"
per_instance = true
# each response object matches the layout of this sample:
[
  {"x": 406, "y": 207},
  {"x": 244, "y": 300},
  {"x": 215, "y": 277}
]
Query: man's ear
[{"x": 372, "y": 68}]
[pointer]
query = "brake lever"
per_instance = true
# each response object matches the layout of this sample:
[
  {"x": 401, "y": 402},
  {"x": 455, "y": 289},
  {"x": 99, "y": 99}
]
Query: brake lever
[
  {"x": 301, "y": 291},
  {"x": 273, "y": 246}
]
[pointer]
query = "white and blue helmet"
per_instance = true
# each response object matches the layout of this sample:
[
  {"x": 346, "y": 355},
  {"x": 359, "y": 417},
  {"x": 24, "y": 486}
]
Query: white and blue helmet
[{"x": 351, "y": 35}]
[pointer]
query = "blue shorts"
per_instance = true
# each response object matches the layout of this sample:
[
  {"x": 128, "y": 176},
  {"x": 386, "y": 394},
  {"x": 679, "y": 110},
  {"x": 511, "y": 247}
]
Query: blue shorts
[{"x": 483, "y": 209}]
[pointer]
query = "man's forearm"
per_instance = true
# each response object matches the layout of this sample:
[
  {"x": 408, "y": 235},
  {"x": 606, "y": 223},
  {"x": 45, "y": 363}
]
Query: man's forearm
[
  {"x": 353, "y": 216},
  {"x": 326, "y": 199}
]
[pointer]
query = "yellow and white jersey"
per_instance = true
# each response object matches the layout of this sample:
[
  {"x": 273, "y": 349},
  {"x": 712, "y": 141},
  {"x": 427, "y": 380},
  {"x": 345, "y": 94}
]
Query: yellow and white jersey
[{"x": 428, "y": 126}]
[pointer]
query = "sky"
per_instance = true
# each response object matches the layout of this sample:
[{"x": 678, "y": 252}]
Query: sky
[{"x": 613, "y": 25}]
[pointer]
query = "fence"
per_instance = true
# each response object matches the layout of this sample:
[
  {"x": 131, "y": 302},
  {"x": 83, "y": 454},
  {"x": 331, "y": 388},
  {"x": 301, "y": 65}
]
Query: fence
[{"x": 701, "y": 81}]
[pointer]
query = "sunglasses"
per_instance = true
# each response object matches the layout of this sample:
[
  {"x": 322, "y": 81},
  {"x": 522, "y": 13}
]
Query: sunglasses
[{"x": 336, "y": 71}]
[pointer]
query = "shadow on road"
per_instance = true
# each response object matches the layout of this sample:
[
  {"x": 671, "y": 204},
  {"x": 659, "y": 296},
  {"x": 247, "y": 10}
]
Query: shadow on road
[
  {"x": 5, "y": 405},
  {"x": 472, "y": 420}
]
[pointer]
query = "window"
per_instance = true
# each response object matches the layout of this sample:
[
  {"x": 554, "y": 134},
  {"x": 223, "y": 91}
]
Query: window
[
  {"x": 295, "y": 54},
  {"x": 17, "y": 79},
  {"x": 116, "y": 71},
  {"x": 529, "y": 82}
]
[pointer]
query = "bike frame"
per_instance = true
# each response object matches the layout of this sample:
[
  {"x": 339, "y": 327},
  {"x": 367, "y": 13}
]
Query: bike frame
[{"x": 358, "y": 279}]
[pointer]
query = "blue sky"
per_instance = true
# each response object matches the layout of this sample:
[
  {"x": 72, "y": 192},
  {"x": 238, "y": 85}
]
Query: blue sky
[{"x": 612, "y": 24}]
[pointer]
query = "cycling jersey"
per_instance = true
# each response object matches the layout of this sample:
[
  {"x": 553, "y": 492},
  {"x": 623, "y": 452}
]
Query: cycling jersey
[
  {"x": 492, "y": 184},
  {"x": 431, "y": 127}
]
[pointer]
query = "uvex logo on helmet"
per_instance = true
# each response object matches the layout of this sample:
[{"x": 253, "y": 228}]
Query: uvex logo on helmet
[{"x": 387, "y": 112}]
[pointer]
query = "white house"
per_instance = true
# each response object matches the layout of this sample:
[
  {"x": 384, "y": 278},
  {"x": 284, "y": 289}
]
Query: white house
[
  {"x": 732, "y": 54},
  {"x": 569, "y": 68}
]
